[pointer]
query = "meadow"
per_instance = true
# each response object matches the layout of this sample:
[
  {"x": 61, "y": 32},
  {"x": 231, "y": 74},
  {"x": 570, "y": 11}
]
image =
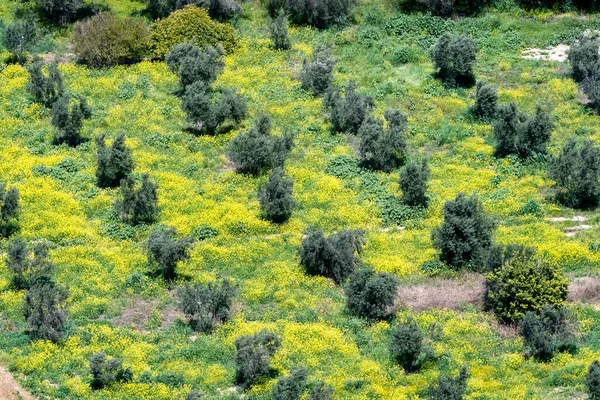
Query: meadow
[{"x": 116, "y": 308}]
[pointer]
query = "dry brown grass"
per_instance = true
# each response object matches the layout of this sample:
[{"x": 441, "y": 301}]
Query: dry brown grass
[{"x": 585, "y": 290}]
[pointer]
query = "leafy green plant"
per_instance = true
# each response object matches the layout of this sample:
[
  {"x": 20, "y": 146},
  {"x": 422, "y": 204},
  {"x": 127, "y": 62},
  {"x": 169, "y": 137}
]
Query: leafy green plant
[
  {"x": 275, "y": 197},
  {"x": 106, "y": 371},
  {"x": 253, "y": 356},
  {"x": 453, "y": 59},
  {"x": 206, "y": 306},
  {"x": 166, "y": 251},
  {"x": 370, "y": 294},
  {"x": 114, "y": 163}
]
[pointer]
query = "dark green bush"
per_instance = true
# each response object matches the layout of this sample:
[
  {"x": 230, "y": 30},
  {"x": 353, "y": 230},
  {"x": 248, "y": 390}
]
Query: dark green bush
[
  {"x": 19, "y": 37},
  {"x": 370, "y": 294},
  {"x": 290, "y": 387},
  {"x": 105, "y": 371},
  {"x": 140, "y": 205},
  {"x": 321, "y": 391},
  {"x": 547, "y": 333},
  {"x": 192, "y": 64},
  {"x": 191, "y": 24},
  {"x": 114, "y": 163},
  {"x": 253, "y": 356},
  {"x": 45, "y": 89},
  {"x": 447, "y": 8},
  {"x": 106, "y": 40},
  {"x": 279, "y": 31},
  {"x": 24, "y": 268},
  {"x": 68, "y": 114},
  {"x": 319, "y": 13},
  {"x": 413, "y": 183},
  {"x": 45, "y": 309},
  {"x": 275, "y": 197},
  {"x": 206, "y": 306},
  {"x": 347, "y": 113},
  {"x": 451, "y": 388},
  {"x": 406, "y": 346},
  {"x": 453, "y": 59},
  {"x": 382, "y": 149},
  {"x": 524, "y": 283},
  {"x": 194, "y": 395},
  {"x": 9, "y": 210},
  {"x": 60, "y": 11},
  {"x": 500, "y": 255},
  {"x": 486, "y": 97},
  {"x": 466, "y": 234},
  {"x": 592, "y": 380},
  {"x": 256, "y": 150},
  {"x": 576, "y": 171},
  {"x": 591, "y": 86},
  {"x": 317, "y": 73},
  {"x": 165, "y": 251},
  {"x": 583, "y": 55},
  {"x": 333, "y": 257}
]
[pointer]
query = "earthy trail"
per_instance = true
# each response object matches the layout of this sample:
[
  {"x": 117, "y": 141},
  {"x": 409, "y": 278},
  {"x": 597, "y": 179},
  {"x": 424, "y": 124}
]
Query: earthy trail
[{"x": 10, "y": 389}]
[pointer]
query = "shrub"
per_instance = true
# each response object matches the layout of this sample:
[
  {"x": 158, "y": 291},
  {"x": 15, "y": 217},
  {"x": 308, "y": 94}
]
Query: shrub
[
  {"x": 319, "y": 14},
  {"x": 206, "y": 306},
  {"x": 60, "y": 11},
  {"x": 382, "y": 149},
  {"x": 466, "y": 234},
  {"x": 45, "y": 89},
  {"x": 223, "y": 9},
  {"x": 583, "y": 55},
  {"x": 333, "y": 257},
  {"x": 194, "y": 395},
  {"x": 9, "y": 210},
  {"x": 500, "y": 255},
  {"x": 547, "y": 333},
  {"x": 576, "y": 171},
  {"x": 114, "y": 163},
  {"x": 514, "y": 133},
  {"x": 486, "y": 97},
  {"x": 106, "y": 40},
  {"x": 406, "y": 346},
  {"x": 317, "y": 73},
  {"x": 24, "y": 268},
  {"x": 453, "y": 59},
  {"x": 348, "y": 113},
  {"x": 413, "y": 183},
  {"x": 138, "y": 205},
  {"x": 166, "y": 251},
  {"x": 451, "y": 388},
  {"x": 19, "y": 37},
  {"x": 253, "y": 356},
  {"x": 193, "y": 64},
  {"x": 592, "y": 380},
  {"x": 446, "y": 8},
  {"x": 105, "y": 371},
  {"x": 404, "y": 55},
  {"x": 275, "y": 197},
  {"x": 322, "y": 391},
  {"x": 524, "y": 283},
  {"x": 68, "y": 114},
  {"x": 290, "y": 387},
  {"x": 219, "y": 9},
  {"x": 279, "y": 32},
  {"x": 256, "y": 150},
  {"x": 369, "y": 294},
  {"x": 44, "y": 309},
  {"x": 191, "y": 24}
]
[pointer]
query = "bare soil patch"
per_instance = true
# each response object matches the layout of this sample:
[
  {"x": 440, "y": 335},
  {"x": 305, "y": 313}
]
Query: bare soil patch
[{"x": 10, "y": 389}]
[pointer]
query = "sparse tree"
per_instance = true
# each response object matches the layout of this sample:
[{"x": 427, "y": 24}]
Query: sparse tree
[
  {"x": 222, "y": 10},
  {"x": 576, "y": 171},
  {"x": 140, "y": 205},
  {"x": 253, "y": 356},
  {"x": 68, "y": 114},
  {"x": 486, "y": 98},
  {"x": 370, "y": 294},
  {"x": 383, "y": 149},
  {"x": 114, "y": 163},
  {"x": 319, "y": 13},
  {"x": 334, "y": 257},
  {"x": 165, "y": 250},
  {"x": 45, "y": 89},
  {"x": 534, "y": 134},
  {"x": 413, "y": 183},
  {"x": 105, "y": 371},
  {"x": 60, "y": 11},
  {"x": 206, "y": 306},
  {"x": 592, "y": 380},
  {"x": 322, "y": 391},
  {"x": 506, "y": 129},
  {"x": 406, "y": 346},
  {"x": 290, "y": 387},
  {"x": 348, "y": 113},
  {"x": 275, "y": 197},
  {"x": 192, "y": 64},
  {"x": 279, "y": 31},
  {"x": 24, "y": 268},
  {"x": 317, "y": 73},
  {"x": 10, "y": 210},
  {"x": 466, "y": 234},
  {"x": 19, "y": 37},
  {"x": 44, "y": 309},
  {"x": 583, "y": 55},
  {"x": 453, "y": 59},
  {"x": 451, "y": 388}
]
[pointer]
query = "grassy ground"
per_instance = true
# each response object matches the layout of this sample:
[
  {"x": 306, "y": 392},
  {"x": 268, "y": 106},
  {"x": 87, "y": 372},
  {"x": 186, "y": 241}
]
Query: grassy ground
[{"x": 97, "y": 256}]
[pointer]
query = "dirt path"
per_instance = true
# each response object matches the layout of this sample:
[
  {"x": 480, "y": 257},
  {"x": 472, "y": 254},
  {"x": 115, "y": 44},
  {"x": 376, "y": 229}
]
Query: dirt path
[{"x": 10, "y": 389}]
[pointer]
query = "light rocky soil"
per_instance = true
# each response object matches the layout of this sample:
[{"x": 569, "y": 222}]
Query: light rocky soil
[{"x": 10, "y": 389}]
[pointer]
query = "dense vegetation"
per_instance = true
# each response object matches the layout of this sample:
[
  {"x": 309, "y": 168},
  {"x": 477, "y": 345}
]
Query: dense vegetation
[{"x": 222, "y": 199}]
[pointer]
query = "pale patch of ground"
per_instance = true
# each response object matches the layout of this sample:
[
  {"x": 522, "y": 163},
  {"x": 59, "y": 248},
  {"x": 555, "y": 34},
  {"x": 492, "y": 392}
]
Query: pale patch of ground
[
  {"x": 10, "y": 389},
  {"x": 558, "y": 53}
]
